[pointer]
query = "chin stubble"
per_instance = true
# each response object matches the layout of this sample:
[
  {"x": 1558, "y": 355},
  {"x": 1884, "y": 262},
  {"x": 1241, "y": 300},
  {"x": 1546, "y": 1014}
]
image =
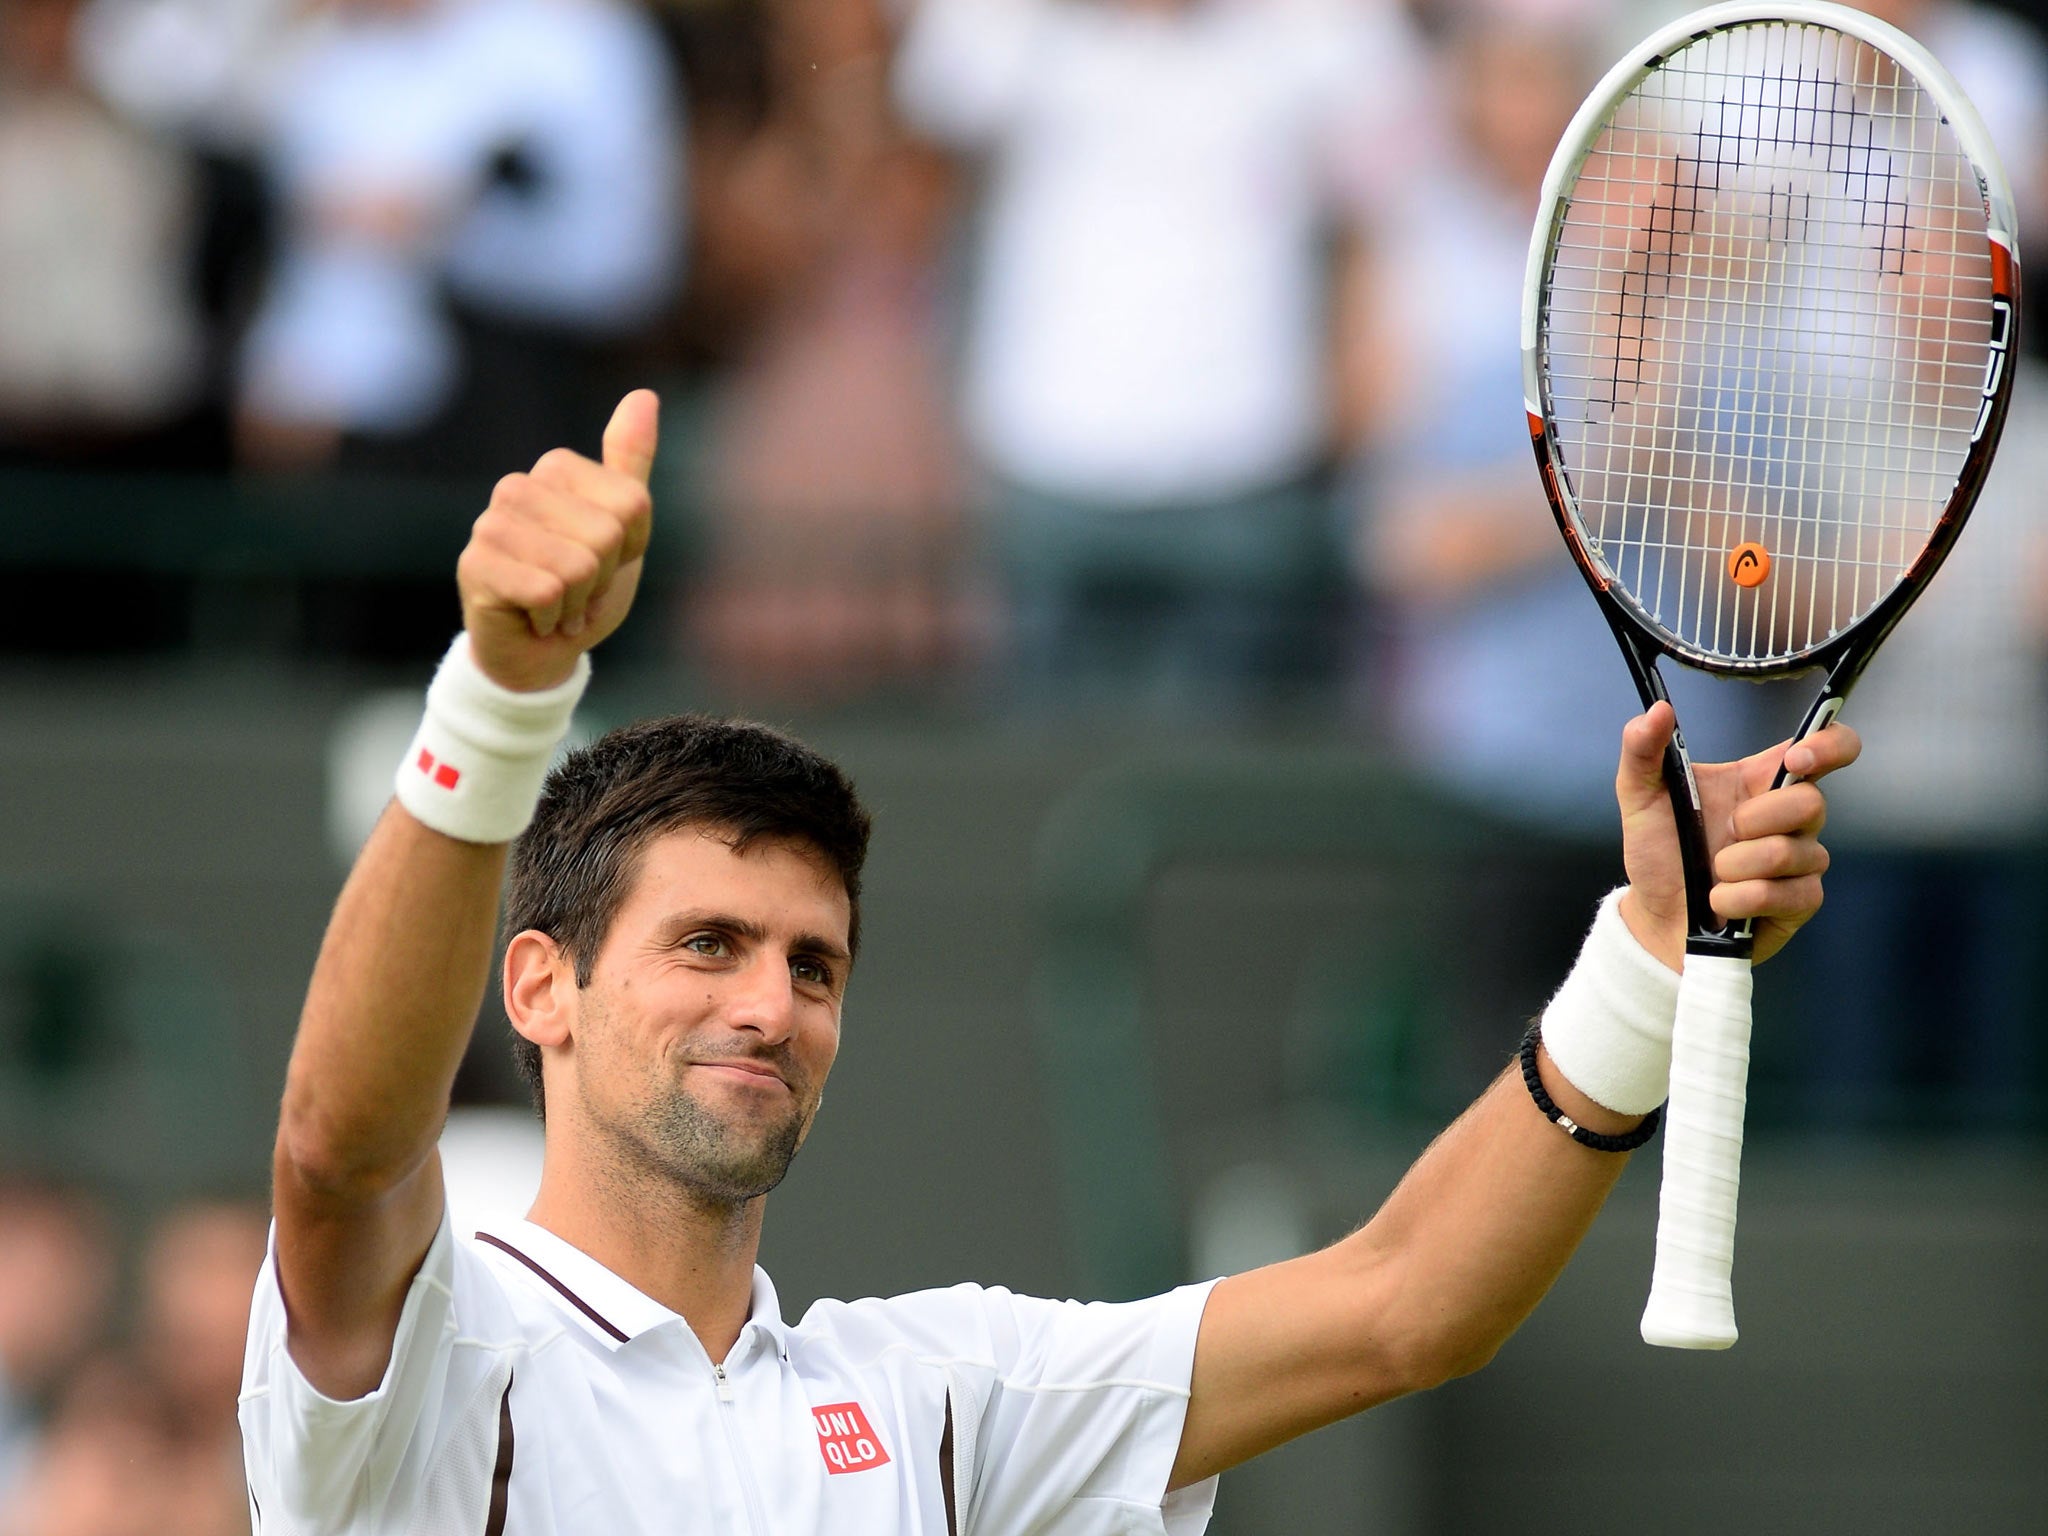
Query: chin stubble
[
  {"x": 721, "y": 1162},
  {"x": 675, "y": 1137}
]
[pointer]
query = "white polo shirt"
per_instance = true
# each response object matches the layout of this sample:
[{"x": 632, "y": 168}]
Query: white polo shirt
[{"x": 533, "y": 1392}]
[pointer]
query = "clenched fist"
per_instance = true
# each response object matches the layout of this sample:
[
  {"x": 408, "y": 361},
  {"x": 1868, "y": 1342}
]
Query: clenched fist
[{"x": 552, "y": 565}]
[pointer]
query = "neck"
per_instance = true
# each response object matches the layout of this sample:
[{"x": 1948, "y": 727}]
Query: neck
[{"x": 695, "y": 1257}]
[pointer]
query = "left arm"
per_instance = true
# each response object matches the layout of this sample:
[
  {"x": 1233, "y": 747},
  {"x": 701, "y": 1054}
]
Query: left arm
[{"x": 1484, "y": 1222}]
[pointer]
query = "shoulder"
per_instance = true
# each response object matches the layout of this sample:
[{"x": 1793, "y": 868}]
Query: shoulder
[
  {"x": 423, "y": 1433},
  {"x": 953, "y": 1321},
  {"x": 457, "y": 1298},
  {"x": 1012, "y": 1335}
]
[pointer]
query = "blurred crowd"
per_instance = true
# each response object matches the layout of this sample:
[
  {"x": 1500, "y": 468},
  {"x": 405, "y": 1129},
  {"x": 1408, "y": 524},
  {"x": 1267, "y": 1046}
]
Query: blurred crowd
[
  {"x": 118, "y": 1371},
  {"x": 1044, "y": 348},
  {"x": 1050, "y": 351}
]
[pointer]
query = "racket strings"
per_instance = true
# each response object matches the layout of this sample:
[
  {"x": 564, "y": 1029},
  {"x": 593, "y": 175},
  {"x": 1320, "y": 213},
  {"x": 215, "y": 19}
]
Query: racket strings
[{"x": 1767, "y": 324}]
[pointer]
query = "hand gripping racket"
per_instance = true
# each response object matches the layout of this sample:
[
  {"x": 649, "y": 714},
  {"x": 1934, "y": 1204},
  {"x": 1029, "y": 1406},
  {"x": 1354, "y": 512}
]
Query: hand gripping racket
[{"x": 1765, "y": 340}]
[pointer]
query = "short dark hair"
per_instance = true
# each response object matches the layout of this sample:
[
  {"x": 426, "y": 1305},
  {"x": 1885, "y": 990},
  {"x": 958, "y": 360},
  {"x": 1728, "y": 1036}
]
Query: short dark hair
[{"x": 604, "y": 803}]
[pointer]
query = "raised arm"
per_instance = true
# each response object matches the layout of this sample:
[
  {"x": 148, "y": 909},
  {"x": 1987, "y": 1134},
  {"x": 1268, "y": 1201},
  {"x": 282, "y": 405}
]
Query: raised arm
[
  {"x": 550, "y": 570},
  {"x": 1483, "y": 1223}
]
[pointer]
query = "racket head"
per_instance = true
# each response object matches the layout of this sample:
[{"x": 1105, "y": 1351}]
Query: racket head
[{"x": 1769, "y": 311}]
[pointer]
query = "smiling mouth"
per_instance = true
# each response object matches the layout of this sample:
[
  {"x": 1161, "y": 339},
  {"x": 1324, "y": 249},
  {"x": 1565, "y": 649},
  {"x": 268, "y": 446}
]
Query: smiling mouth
[{"x": 760, "y": 1077}]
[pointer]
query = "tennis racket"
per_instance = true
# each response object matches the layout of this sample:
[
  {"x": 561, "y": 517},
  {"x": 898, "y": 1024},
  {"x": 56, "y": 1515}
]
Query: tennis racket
[{"x": 1770, "y": 303}]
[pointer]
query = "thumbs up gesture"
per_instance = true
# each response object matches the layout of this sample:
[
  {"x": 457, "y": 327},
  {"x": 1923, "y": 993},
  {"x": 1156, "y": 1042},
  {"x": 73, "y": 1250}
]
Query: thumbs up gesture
[{"x": 553, "y": 562}]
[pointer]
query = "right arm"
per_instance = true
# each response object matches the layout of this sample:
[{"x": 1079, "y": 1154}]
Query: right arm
[
  {"x": 356, "y": 1183},
  {"x": 1480, "y": 1227}
]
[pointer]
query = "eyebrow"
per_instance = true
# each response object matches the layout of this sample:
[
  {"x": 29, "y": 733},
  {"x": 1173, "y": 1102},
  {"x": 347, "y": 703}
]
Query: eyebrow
[{"x": 677, "y": 924}]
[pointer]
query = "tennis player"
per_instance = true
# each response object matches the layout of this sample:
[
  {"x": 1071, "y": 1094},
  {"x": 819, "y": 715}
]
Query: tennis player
[{"x": 683, "y": 915}]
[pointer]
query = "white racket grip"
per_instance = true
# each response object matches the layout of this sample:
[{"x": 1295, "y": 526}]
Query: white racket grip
[{"x": 1692, "y": 1305}]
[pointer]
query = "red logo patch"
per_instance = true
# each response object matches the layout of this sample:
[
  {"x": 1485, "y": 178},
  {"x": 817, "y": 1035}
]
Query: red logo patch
[
  {"x": 846, "y": 1440},
  {"x": 447, "y": 775}
]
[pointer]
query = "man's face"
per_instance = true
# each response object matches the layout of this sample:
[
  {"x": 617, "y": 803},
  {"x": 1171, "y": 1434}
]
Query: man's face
[{"x": 711, "y": 1017}]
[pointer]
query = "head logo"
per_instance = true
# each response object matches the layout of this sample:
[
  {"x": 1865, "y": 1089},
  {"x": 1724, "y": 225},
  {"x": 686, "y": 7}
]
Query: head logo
[
  {"x": 1748, "y": 564},
  {"x": 846, "y": 1440}
]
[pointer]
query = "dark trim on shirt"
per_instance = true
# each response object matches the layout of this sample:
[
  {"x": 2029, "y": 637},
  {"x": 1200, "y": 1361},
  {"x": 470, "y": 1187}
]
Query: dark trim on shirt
[
  {"x": 501, "y": 1474},
  {"x": 946, "y": 1469},
  {"x": 574, "y": 1300}
]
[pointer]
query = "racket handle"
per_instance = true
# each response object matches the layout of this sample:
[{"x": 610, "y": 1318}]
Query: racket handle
[{"x": 1691, "y": 1303}]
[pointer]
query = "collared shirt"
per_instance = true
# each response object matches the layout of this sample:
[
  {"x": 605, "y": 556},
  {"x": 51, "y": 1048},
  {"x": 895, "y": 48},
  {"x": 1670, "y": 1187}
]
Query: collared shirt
[{"x": 532, "y": 1391}]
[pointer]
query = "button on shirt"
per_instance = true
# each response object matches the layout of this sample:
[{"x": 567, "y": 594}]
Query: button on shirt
[{"x": 532, "y": 1391}]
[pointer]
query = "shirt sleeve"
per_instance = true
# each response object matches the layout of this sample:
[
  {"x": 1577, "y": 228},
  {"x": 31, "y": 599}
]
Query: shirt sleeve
[
  {"x": 316, "y": 1464},
  {"x": 1080, "y": 1427}
]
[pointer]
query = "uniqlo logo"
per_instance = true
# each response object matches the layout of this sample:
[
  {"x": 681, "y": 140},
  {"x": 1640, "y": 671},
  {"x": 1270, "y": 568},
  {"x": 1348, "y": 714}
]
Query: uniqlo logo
[
  {"x": 846, "y": 1440},
  {"x": 447, "y": 775}
]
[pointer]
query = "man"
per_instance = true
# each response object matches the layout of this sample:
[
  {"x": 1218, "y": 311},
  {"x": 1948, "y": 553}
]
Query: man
[{"x": 683, "y": 917}]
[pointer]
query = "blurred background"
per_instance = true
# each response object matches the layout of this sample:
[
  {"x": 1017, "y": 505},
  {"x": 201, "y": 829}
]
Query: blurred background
[{"x": 1097, "y": 422}]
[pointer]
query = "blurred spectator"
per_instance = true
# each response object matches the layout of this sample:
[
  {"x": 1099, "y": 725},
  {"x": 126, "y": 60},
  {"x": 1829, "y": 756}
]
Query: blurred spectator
[
  {"x": 480, "y": 198},
  {"x": 196, "y": 69},
  {"x": 198, "y": 73},
  {"x": 1146, "y": 363},
  {"x": 100, "y": 342},
  {"x": 116, "y": 1462},
  {"x": 748, "y": 211},
  {"x": 1921, "y": 984},
  {"x": 2002, "y": 66},
  {"x": 1500, "y": 678},
  {"x": 840, "y": 559},
  {"x": 139, "y": 1443},
  {"x": 56, "y": 1282},
  {"x": 198, "y": 1272},
  {"x": 104, "y": 1468}
]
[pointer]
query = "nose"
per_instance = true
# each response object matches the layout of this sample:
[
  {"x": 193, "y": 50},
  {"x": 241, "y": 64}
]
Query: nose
[{"x": 763, "y": 999}]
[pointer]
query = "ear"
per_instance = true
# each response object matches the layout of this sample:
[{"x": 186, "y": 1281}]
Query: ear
[{"x": 540, "y": 989}]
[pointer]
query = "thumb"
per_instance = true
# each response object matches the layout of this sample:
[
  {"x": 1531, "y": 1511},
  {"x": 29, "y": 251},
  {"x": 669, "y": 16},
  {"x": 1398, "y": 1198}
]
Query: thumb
[
  {"x": 1639, "y": 781},
  {"x": 633, "y": 434}
]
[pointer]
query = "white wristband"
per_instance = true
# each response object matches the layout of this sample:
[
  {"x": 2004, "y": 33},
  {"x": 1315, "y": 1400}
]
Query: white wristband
[
  {"x": 475, "y": 768},
  {"x": 1608, "y": 1030}
]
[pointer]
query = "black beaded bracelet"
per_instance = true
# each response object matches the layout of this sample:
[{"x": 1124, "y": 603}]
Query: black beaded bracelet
[{"x": 1565, "y": 1122}]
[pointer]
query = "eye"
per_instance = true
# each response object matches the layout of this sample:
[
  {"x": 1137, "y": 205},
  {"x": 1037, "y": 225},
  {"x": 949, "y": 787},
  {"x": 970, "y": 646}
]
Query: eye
[
  {"x": 711, "y": 944},
  {"x": 806, "y": 969}
]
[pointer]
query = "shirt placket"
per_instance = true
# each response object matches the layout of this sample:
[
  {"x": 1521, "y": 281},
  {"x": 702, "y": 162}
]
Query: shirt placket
[{"x": 743, "y": 1467}]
